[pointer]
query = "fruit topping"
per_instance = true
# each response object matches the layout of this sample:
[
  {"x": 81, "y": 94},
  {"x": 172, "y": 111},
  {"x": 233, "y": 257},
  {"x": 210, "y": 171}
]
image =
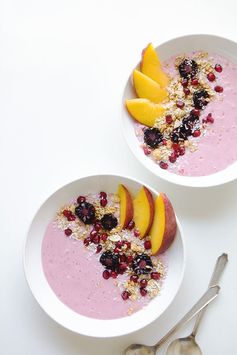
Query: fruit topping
[
  {"x": 68, "y": 232},
  {"x": 152, "y": 137},
  {"x": 109, "y": 221},
  {"x": 180, "y": 104},
  {"x": 200, "y": 99},
  {"x": 218, "y": 68},
  {"x": 188, "y": 68},
  {"x": 218, "y": 88},
  {"x": 106, "y": 274},
  {"x": 163, "y": 165},
  {"x": 195, "y": 82},
  {"x": 110, "y": 260},
  {"x": 142, "y": 264},
  {"x": 125, "y": 295},
  {"x": 81, "y": 199},
  {"x": 211, "y": 77},
  {"x": 85, "y": 211}
]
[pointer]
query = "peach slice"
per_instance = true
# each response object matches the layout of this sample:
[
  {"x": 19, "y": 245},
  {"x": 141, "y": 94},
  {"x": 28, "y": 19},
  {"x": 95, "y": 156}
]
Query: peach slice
[
  {"x": 151, "y": 66},
  {"x": 164, "y": 227},
  {"x": 143, "y": 206},
  {"x": 147, "y": 88},
  {"x": 126, "y": 206},
  {"x": 145, "y": 111}
]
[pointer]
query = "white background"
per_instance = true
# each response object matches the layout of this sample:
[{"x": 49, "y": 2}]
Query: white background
[{"x": 63, "y": 66}]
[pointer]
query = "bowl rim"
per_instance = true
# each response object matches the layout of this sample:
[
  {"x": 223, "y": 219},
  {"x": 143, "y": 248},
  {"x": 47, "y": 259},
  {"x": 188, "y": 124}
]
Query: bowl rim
[
  {"x": 93, "y": 320},
  {"x": 216, "y": 179}
]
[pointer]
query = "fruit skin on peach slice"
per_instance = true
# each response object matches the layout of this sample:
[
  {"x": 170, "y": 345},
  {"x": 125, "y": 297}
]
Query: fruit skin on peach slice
[
  {"x": 143, "y": 206},
  {"x": 126, "y": 206},
  {"x": 164, "y": 226},
  {"x": 145, "y": 111},
  {"x": 151, "y": 66},
  {"x": 147, "y": 88}
]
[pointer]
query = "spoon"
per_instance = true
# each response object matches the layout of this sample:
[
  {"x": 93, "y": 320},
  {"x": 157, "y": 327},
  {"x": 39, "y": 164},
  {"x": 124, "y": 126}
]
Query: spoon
[
  {"x": 188, "y": 345},
  {"x": 139, "y": 349}
]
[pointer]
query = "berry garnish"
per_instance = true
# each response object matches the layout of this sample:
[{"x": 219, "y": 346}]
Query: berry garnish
[
  {"x": 129, "y": 259},
  {"x": 81, "y": 199},
  {"x": 125, "y": 295},
  {"x": 209, "y": 118},
  {"x": 85, "y": 211},
  {"x": 172, "y": 157},
  {"x": 180, "y": 104},
  {"x": 186, "y": 91},
  {"x": 110, "y": 260},
  {"x": 143, "y": 283},
  {"x": 131, "y": 225},
  {"x": 218, "y": 68},
  {"x": 211, "y": 77},
  {"x": 184, "y": 83},
  {"x": 218, "y": 88},
  {"x": 134, "y": 278},
  {"x": 195, "y": 112},
  {"x": 103, "y": 202},
  {"x": 114, "y": 274},
  {"x": 103, "y": 194},
  {"x": 200, "y": 99},
  {"x": 68, "y": 232},
  {"x": 182, "y": 150},
  {"x": 123, "y": 266},
  {"x": 98, "y": 248},
  {"x": 96, "y": 239},
  {"x": 147, "y": 244},
  {"x": 196, "y": 133},
  {"x": 87, "y": 241},
  {"x": 142, "y": 264},
  {"x": 155, "y": 275},
  {"x": 195, "y": 82},
  {"x": 168, "y": 119},
  {"x": 143, "y": 291},
  {"x": 97, "y": 226},
  {"x": 72, "y": 217},
  {"x": 106, "y": 274},
  {"x": 188, "y": 68},
  {"x": 108, "y": 221},
  {"x": 152, "y": 137},
  {"x": 146, "y": 150},
  {"x": 104, "y": 237},
  {"x": 128, "y": 244},
  {"x": 136, "y": 233},
  {"x": 163, "y": 165}
]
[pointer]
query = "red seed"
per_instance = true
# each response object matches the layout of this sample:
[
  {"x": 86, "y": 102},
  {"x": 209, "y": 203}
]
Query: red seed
[
  {"x": 204, "y": 120},
  {"x": 180, "y": 104},
  {"x": 147, "y": 244},
  {"x": 114, "y": 274},
  {"x": 96, "y": 239},
  {"x": 134, "y": 278},
  {"x": 93, "y": 233},
  {"x": 194, "y": 82},
  {"x": 164, "y": 142},
  {"x": 87, "y": 241},
  {"x": 129, "y": 259},
  {"x": 175, "y": 146},
  {"x": 72, "y": 217},
  {"x": 186, "y": 91},
  {"x": 155, "y": 275},
  {"x": 81, "y": 199},
  {"x": 68, "y": 232},
  {"x": 123, "y": 258},
  {"x": 218, "y": 88},
  {"x": 172, "y": 157},
  {"x": 143, "y": 283},
  {"x": 119, "y": 244},
  {"x": 98, "y": 248},
  {"x": 209, "y": 118},
  {"x": 136, "y": 233},
  {"x": 131, "y": 225},
  {"x": 169, "y": 119},
  {"x": 103, "y": 202},
  {"x": 184, "y": 83},
  {"x": 195, "y": 112},
  {"x": 103, "y": 194},
  {"x": 123, "y": 266},
  {"x": 163, "y": 165},
  {"x": 116, "y": 250},
  {"x": 211, "y": 76},
  {"x": 106, "y": 274},
  {"x": 67, "y": 213},
  {"x": 128, "y": 244},
  {"x": 97, "y": 226},
  {"x": 196, "y": 133},
  {"x": 125, "y": 295},
  {"x": 182, "y": 150},
  {"x": 143, "y": 291},
  {"x": 218, "y": 68},
  {"x": 104, "y": 237},
  {"x": 146, "y": 150}
]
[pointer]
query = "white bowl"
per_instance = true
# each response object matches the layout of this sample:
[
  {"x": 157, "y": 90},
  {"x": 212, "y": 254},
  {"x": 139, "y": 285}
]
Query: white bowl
[
  {"x": 49, "y": 301},
  {"x": 175, "y": 46}
]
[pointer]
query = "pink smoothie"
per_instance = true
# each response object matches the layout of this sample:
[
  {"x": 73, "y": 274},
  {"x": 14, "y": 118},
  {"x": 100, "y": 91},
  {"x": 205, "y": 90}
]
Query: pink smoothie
[{"x": 217, "y": 147}]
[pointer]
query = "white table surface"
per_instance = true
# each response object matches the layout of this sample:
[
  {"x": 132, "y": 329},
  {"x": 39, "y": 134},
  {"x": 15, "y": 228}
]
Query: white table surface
[{"x": 63, "y": 65}]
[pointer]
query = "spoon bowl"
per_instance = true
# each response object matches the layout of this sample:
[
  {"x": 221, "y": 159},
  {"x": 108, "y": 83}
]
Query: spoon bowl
[{"x": 184, "y": 346}]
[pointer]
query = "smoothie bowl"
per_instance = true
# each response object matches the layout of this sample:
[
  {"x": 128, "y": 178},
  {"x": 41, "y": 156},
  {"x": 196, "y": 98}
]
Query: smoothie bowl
[
  {"x": 104, "y": 255},
  {"x": 179, "y": 110}
]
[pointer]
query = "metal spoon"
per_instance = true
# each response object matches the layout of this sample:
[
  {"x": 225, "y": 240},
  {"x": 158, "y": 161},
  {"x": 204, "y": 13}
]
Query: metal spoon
[
  {"x": 188, "y": 345},
  {"x": 139, "y": 349}
]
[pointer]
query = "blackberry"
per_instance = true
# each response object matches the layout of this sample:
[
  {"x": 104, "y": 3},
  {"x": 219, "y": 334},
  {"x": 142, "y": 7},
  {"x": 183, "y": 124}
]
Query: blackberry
[
  {"x": 110, "y": 260},
  {"x": 199, "y": 99},
  {"x": 175, "y": 136},
  {"x": 152, "y": 137},
  {"x": 108, "y": 221},
  {"x": 142, "y": 264},
  {"x": 185, "y": 130},
  {"x": 188, "y": 68},
  {"x": 85, "y": 211}
]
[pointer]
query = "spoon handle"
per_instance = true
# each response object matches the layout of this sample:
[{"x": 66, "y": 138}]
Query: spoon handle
[
  {"x": 207, "y": 297},
  {"x": 218, "y": 270}
]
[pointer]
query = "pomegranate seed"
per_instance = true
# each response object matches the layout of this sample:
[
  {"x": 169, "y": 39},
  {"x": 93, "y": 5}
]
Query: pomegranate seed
[
  {"x": 196, "y": 133},
  {"x": 143, "y": 291},
  {"x": 98, "y": 248},
  {"x": 184, "y": 83},
  {"x": 163, "y": 165},
  {"x": 211, "y": 76},
  {"x": 209, "y": 118},
  {"x": 204, "y": 120},
  {"x": 116, "y": 250},
  {"x": 68, "y": 232},
  {"x": 164, "y": 142},
  {"x": 129, "y": 259},
  {"x": 123, "y": 266},
  {"x": 128, "y": 244},
  {"x": 103, "y": 202},
  {"x": 114, "y": 274},
  {"x": 186, "y": 91},
  {"x": 119, "y": 244},
  {"x": 81, "y": 199},
  {"x": 123, "y": 258},
  {"x": 136, "y": 233},
  {"x": 169, "y": 119},
  {"x": 125, "y": 295},
  {"x": 96, "y": 239},
  {"x": 143, "y": 283},
  {"x": 103, "y": 194},
  {"x": 194, "y": 82},
  {"x": 134, "y": 278},
  {"x": 218, "y": 88},
  {"x": 71, "y": 217},
  {"x": 67, "y": 213},
  {"x": 155, "y": 275},
  {"x": 172, "y": 157},
  {"x": 131, "y": 225},
  {"x": 106, "y": 274},
  {"x": 146, "y": 150},
  {"x": 175, "y": 146},
  {"x": 195, "y": 112},
  {"x": 180, "y": 104},
  {"x": 104, "y": 237},
  {"x": 147, "y": 244},
  {"x": 93, "y": 233},
  {"x": 87, "y": 241},
  {"x": 218, "y": 68},
  {"x": 182, "y": 150},
  {"x": 97, "y": 226}
]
